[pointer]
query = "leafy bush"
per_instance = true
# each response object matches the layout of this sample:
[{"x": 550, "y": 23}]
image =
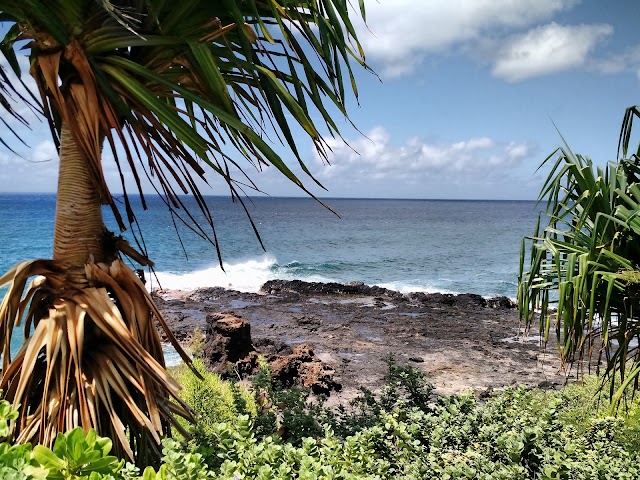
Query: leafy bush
[
  {"x": 17, "y": 463},
  {"x": 404, "y": 388},
  {"x": 286, "y": 412},
  {"x": 406, "y": 433},
  {"x": 584, "y": 403},
  {"x": 292, "y": 415},
  {"x": 75, "y": 455},
  {"x": 213, "y": 399},
  {"x": 79, "y": 455},
  {"x": 516, "y": 434}
]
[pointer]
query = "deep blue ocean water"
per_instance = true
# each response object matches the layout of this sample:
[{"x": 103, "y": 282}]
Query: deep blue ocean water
[{"x": 407, "y": 245}]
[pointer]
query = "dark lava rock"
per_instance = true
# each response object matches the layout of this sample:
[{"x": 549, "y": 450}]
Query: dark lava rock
[
  {"x": 228, "y": 340},
  {"x": 268, "y": 347},
  {"x": 181, "y": 324},
  {"x": 501, "y": 303},
  {"x": 276, "y": 287},
  {"x": 229, "y": 344},
  {"x": 208, "y": 294},
  {"x": 304, "y": 368},
  {"x": 463, "y": 301}
]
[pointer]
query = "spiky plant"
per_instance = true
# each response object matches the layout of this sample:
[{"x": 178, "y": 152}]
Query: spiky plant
[
  {"x": 172, "y": 89},
  {"x": 584, "y": 272}
]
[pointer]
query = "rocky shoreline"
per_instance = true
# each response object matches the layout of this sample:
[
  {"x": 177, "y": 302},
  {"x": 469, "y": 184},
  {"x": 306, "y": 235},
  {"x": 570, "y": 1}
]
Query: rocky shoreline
[{"x": 461, "y": 342}]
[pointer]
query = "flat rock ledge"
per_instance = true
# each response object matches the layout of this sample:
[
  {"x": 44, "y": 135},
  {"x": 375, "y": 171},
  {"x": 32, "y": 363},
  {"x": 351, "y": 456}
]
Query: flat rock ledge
[
  {"x": 461, "y": 342},
  {"x": 299, "y": 287}
]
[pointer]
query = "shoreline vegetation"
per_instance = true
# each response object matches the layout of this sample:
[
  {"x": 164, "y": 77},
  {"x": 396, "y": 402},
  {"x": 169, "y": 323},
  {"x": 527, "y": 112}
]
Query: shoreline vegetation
[{"x": 392, "y": 418}]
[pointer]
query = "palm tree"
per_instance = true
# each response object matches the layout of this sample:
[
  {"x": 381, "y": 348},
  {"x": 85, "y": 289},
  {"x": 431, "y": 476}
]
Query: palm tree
[
  {"x": 586, "y": 263},
  {"x": 172, "y": 89}
]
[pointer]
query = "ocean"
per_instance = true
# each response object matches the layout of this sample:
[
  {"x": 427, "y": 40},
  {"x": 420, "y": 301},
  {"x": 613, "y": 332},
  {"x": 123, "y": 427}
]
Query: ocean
[{"x": 406, "y": 245}]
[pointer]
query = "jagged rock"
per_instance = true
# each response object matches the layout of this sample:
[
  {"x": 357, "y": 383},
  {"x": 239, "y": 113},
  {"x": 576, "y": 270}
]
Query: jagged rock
[
  {"x": 269, "y": 347},
  {"x": 207, "y": 294},
  {"x": 229, "y": 347},
  {"x": 182, "y": 325},
  {"x": 276, "y": 287},
  {"x": 501, "y": 303},
  {"x": 301, "y": 288},
  {"x": 228, "y": 339},
  {"x": 304, "y": 368},
  {"x": 463, "y": 301}
]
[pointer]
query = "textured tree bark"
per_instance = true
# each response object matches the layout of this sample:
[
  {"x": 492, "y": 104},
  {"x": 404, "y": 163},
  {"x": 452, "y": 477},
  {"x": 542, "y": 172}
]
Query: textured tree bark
[{"x": 78, "y": 224}]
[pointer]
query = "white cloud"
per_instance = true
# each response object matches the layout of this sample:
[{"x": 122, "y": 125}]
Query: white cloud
[
  {"x": 403, "y": 32},
  {"x": 627, "y": 61},
  {"x": 548, "y": 49},
  {"x": 376, "y": 158},
  {"x": 35, "y": 170}
]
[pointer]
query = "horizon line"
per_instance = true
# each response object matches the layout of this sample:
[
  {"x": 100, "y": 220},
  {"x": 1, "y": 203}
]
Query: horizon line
[{"x": 302, "y": 197}]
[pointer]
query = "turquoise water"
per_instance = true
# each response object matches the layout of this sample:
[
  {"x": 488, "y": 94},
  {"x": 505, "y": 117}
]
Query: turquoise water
[{"x": 407, "y": 245}]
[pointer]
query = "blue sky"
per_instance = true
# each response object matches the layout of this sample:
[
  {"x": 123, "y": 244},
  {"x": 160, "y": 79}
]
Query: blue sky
[{"x": 465, "y": 104}]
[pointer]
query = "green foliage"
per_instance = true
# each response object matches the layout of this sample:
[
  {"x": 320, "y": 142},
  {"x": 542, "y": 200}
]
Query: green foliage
[
  {"x": 404, "y": 388},
  {"x": 516, "y": 434},
  {"x": 17, "y": 463},
  {"x": 7, "y": 414},
  {"x": 177, "y": 464},
  {"x": 585, "y": 262},
  {"x": 286, "y": 412},
  {"x": 292, "y": 415},
  {"x": 213, "y": 400},
  {"x": 79, "y": 455},
  {"x": 75, "y": 456}
]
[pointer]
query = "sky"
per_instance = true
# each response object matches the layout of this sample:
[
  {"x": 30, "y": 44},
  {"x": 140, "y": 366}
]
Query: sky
[{"x": 469, "y": 98}]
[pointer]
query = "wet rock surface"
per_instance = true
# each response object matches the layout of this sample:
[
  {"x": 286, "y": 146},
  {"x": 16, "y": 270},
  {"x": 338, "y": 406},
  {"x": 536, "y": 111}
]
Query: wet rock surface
[{"x": 460, "y": 341}]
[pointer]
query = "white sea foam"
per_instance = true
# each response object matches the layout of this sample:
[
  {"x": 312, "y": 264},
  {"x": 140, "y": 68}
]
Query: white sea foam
[
  {"x": 413, "y": 288},
  {"x": 245, "y": 276}
]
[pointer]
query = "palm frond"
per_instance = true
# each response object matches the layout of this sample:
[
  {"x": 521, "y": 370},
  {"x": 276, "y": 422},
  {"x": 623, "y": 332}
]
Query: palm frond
[
  {"x": 189, "y": 88},
  {"x": 91, "y": 352},
  {"x": 585, "y": 263}
]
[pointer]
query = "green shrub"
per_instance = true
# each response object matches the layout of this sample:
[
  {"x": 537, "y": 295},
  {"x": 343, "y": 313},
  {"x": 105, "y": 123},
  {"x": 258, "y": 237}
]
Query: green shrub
[
  {"x": 213, "y": 399},
  {"x": 406, "y": 433},
  {"x": 518, "y": 434},
  {"x": 515, "y": 434},
  {"x": 79, "y": 455},
  {"x": 404, "y": 388},
  {"x": 585, "y": 402},
  {"x": 286, "y": 412},
  {"x": 289, "y": 412},
  {"x": 17, "y": 463}
]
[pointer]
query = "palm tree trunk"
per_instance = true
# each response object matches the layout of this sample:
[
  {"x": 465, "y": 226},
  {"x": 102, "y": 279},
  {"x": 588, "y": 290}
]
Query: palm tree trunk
[{"x": 78, "y": 224}]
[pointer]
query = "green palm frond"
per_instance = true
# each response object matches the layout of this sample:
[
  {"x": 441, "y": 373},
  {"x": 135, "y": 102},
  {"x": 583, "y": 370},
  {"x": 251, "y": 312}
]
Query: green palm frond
[
  {"x": 188, "y": 87},
  {"x": 585, "y": 263}
]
